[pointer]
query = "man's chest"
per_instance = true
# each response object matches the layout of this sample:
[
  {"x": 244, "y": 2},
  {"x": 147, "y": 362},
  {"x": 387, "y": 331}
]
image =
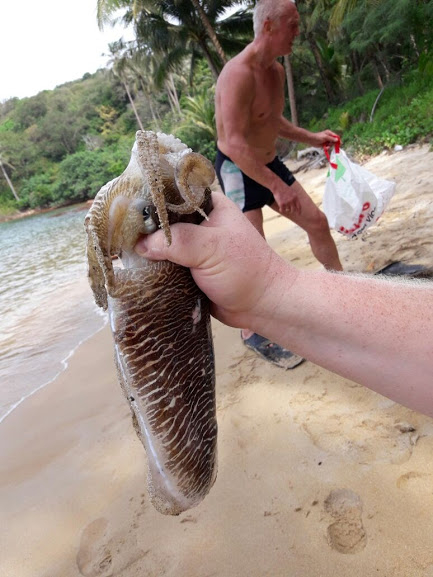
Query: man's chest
[{"x": 268, "y": 102}]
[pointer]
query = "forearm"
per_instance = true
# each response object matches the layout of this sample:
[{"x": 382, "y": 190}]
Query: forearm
[
  {"x": 295, "y": 133},
  {"x": 351, "y": 326},
  {"x": 298, "y": 134}
]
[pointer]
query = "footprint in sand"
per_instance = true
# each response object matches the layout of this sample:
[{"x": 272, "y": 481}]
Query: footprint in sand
[
  {"x": 346, "y": 534},
  {"x": 363, "y": 436},
  {"x": 94, "y": 557}
]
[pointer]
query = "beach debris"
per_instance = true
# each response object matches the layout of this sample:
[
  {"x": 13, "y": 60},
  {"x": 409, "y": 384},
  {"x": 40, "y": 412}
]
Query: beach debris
[
  {"x": 407, "y": 270},
  {"x": 284, "y": 148},
  {"x": 311, "y": 152},
  {"x": 159, "y": 318},
  {"x": 313, "y": 157}
]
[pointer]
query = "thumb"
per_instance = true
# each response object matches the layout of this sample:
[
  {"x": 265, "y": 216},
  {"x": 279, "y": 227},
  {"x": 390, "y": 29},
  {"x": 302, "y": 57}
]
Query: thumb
[{"x": 191, "y": 245}]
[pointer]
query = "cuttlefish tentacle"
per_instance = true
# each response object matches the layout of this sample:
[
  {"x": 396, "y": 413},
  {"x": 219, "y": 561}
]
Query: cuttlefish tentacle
[
  {"x": 148, "y": 154},
  {"x": 193, "y": 174},
  {"x": 159, "y": 318}
]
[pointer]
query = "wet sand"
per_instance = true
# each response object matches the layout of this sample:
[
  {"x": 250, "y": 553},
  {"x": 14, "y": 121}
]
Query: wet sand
[{"x": 318, "y": 476}]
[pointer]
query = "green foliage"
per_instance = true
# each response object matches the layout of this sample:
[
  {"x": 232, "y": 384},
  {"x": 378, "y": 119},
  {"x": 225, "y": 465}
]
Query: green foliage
[
  {"x": 425, "y": 66},
  {"x": 199, "y": 112},
  {"x": 8, "y": 206},
  {"x": 81, "y": 175},
  {"x": 61, "y": 146},
  {"x": 36, "y": 192},
  {"x": 198, "y": 140},
  {"x": 197, "y": 127},
  {"x": 344, "y": 121},
  {"x": 402, "y": 116},
  {"x": 7, "y": 126},
  {"x": 29, "y": 110}
]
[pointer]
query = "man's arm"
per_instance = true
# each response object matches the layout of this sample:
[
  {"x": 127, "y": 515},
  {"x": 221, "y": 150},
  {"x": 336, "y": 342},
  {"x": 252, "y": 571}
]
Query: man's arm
[
  {"x": 375, "y": 332},
  {"x": 298, "y": 134}
]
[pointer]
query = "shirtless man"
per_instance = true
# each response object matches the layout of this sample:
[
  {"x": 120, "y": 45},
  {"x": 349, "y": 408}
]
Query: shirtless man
[{"x": 249, "y": 105}]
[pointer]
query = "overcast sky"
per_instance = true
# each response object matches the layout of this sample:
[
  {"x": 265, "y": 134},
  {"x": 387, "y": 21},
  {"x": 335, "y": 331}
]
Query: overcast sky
[{"x": 45, "y": 43}]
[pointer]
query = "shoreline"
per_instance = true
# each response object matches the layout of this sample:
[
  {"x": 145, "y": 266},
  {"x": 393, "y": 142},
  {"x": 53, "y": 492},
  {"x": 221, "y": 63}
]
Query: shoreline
[
  {"x": 63, "y": 362},
  {"x": 317, "y": 475},
  {"x": 38, "y": 211},
  {"x": 292, "y": 161}
]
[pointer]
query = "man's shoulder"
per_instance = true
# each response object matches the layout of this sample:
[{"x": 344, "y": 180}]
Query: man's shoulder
[
  {"x": 237, "y": 67},
  {"x": 239, "y": 61}
]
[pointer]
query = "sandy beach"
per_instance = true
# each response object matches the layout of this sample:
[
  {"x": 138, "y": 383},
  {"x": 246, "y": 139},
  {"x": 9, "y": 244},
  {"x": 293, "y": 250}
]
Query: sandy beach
[{"x": 317, "y": 477}]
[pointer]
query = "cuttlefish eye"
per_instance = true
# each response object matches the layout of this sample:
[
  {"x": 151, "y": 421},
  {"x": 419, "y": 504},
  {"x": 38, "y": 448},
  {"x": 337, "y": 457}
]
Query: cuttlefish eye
[
  {"x": 146, "y": 213},
  {"x": 149, "y": 223}
]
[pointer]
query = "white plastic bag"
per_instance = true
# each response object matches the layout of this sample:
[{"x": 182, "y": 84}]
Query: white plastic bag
[{"x": 354, "y": 198}]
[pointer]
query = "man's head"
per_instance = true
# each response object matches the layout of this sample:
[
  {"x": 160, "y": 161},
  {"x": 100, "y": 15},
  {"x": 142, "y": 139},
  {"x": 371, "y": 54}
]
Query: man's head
[
  {"x": 268, "y": 10},
  {"x": 270, "y": 15}
]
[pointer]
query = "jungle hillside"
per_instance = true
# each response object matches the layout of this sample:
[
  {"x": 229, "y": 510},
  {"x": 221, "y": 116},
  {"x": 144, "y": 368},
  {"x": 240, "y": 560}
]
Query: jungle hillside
[{"x": 363, "y": 68}]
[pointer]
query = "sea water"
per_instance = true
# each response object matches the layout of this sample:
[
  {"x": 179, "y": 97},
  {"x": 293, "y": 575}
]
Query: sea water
[{"x": 46, "y": 305}]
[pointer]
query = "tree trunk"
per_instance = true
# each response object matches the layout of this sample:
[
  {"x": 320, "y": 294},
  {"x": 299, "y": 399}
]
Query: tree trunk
[
  {"x": 148, "y": 95},
  {"x": 210, "y": 31},
  {"x": 125, "y": 85},
  {"x": 172, "y": 94},
  {"x": 155, "y": 118},
  {"x": 377, "y": 74},
  {"x": 357, "y": 71},
  {"x": 385, "y": 67},
  {"x": 291, "y": 91},
  {"x": 414, "y": 45},
  {"x": 375, "y": 104},
  {"x": 210, "y": 62},
  {"x": 328, "y": 86},
  {"x": 8, "y": 180}
]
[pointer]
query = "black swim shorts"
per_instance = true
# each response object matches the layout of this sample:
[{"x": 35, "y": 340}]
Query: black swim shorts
[{"x": 241, "y": 189}]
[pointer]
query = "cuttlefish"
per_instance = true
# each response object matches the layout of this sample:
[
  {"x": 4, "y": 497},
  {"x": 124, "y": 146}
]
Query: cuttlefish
[{"x": 159, "y": 318}]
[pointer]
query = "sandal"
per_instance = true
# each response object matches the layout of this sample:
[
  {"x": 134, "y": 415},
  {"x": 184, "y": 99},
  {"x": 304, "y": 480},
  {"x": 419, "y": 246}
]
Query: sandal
[
  {"x": 409, "y": 270},
  {"x": 272, "y": 352}
]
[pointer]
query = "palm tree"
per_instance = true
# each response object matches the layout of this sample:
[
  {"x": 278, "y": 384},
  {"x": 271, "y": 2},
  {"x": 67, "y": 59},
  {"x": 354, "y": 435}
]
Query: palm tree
[
  {"x": 338, "y": 10},
  {"x": 341, "y": 8},
  {"x": 173, "y": 97},
  {"x": 177, "y": 29},
  {"x": 146, "y": 67},
  {"x": 119, "y": 62},
  {"x": 200, "y": 112},
  {"x": 141, "y": 66},
  {"x": 210, "y": 31},
  {"x": 314, "y": 27}
]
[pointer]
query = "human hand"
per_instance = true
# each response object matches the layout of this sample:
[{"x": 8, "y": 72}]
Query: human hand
[
  {"x": 287, "y": 199},
  {"x": 229, "y": 260},
  {"x": 324, "y": 138}
]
